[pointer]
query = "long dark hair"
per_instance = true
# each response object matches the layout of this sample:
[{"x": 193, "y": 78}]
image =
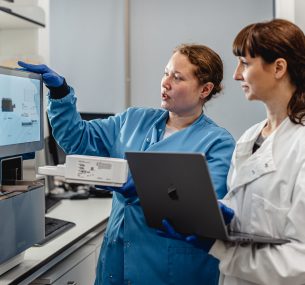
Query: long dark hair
[{"x": 278, "y": 39}]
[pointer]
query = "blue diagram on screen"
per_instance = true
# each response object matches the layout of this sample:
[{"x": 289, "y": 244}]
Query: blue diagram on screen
[{"x": 20, "y": 110}]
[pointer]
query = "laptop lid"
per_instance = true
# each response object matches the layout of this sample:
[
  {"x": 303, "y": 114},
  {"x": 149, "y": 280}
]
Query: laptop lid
[{"x": 178, "y": 187}]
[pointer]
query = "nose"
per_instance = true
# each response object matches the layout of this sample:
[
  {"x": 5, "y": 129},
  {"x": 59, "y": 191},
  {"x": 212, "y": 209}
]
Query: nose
[
  {"x": 237, "y": 75},
  {"x": 165, "y": 82}
]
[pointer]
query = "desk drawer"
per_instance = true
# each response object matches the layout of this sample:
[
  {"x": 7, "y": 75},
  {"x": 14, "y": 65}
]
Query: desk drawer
[{"x": 78, "y": 268}]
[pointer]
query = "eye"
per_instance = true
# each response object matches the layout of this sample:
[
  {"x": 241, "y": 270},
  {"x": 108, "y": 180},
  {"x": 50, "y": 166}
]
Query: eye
[
  {"x": 166, "y": 73},
  {"x": 177, "y": 77},
  {"x": 243, "y": 61}
]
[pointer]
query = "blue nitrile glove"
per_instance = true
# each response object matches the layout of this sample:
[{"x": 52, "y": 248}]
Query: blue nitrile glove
[
  {"x": 205, "y": 243},
  {"x": 127, "y": 190},
  {"x": 227, "y": 213},
  {"x": 50, "y": 77},
  {"x": 170, "y": 232}
]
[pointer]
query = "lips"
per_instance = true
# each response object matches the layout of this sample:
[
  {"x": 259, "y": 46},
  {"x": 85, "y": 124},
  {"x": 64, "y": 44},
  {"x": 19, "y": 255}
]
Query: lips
[{"x": 164, "y": 96}]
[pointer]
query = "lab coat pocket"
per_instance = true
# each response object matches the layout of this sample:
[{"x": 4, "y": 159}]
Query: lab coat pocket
[
  {"x": 267, "y": 219},
  {"x": 193, "y": 266}
]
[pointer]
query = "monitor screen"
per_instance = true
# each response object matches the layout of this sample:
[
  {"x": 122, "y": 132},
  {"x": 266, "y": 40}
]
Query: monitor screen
[{"x": 21, "y": 120}]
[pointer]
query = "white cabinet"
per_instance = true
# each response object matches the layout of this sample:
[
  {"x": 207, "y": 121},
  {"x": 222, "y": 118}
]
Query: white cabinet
[
  {"x": 97, "y": 242},
  {"x": 71, "y": 257},
  {"x": 82, "y": 273},
  {"x": 15, "y": 19},
  {"x": 77, "y": 268},
  {"x": 21, "y": 14},
  {"x": 19, "y": 30}
]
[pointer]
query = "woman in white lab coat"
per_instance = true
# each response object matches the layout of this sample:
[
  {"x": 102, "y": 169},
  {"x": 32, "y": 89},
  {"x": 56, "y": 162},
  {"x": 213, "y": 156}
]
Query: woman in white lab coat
[{"x": 267, "y": 175}]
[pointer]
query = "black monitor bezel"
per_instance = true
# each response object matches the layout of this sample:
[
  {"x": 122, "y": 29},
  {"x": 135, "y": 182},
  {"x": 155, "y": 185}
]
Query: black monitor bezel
[{"x": 21, "y": 148}]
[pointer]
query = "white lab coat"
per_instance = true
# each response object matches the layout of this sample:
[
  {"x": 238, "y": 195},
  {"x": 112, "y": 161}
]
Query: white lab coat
[{"x": 267, "y": 193}]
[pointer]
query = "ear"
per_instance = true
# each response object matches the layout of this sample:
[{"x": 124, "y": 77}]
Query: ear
[
  {"x": 206, "y": 90},
  {"x": 280, "y": 65}
]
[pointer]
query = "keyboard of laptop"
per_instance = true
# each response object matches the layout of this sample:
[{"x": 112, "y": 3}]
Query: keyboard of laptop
[{"x": 53, "y": 228}]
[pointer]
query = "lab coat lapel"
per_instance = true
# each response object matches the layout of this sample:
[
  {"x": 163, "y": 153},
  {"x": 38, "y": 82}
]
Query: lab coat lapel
[{"x": 252, "y": 166}]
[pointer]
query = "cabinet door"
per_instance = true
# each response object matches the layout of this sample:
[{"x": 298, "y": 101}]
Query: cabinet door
[
  {"x": 97, "y": 242},
  {"x": 82, "y": 273},
  {"x": 77, "y": 268}
]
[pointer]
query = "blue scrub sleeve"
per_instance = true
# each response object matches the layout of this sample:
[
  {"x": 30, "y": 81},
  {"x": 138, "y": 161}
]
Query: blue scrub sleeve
[
  {"x": 76, "y": 136},
  {"x": 219, "y": 160}
]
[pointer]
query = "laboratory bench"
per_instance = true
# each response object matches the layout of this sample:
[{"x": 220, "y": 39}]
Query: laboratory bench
[{"x": 71, "y": 257}]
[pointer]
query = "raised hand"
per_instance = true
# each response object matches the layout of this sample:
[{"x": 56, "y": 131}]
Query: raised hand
[{"x": 50, "y": 77}]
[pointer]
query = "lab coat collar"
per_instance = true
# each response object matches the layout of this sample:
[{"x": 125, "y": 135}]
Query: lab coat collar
[
  {"x": 244, "y": 147},
  {"x": 248, "y": 166}
]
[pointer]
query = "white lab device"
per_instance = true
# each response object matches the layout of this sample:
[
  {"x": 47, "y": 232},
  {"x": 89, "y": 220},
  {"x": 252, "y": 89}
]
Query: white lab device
[{"x": 86, "y": 169}]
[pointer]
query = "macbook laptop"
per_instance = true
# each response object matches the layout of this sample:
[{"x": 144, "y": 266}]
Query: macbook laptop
[{"x": 178, "y": 187}]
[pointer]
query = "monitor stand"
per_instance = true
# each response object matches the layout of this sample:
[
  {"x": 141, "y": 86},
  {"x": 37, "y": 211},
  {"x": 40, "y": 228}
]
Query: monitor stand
[{"x": 12, "y": 262}]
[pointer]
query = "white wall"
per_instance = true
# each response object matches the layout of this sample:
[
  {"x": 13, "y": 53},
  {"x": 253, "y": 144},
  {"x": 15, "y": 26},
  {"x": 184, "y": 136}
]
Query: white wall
[
  {"x": 158, "y": 26},
  {"x": 87, "y": 47},
  {"x": 285, "y": 9},
  {"x": 43, "y": 34},
  {"x": 292, "y": 10},
  {"x": 300, "y": 14}
]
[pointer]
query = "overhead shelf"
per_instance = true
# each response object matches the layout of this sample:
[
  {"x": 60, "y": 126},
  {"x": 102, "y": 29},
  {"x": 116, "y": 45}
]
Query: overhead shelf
[{"x": 21, "y": 18}]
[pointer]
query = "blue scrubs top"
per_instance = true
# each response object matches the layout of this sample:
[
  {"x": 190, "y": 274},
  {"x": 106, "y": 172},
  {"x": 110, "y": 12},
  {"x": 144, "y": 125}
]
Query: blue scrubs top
[{"x": 132, "y": 253}]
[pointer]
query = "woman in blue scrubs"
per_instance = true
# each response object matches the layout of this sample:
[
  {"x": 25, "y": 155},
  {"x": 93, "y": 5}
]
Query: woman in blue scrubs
[{"x": 133, "y": 253}]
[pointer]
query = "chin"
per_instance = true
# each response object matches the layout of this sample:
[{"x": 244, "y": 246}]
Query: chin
[
  {"x": 252, "y": 98},
  {"x": 249, "y": 96},
  {"x": 164, "y": 105}
]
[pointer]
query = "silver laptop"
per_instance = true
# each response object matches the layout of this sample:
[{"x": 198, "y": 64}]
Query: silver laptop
[{"x": 178, "y": 187}]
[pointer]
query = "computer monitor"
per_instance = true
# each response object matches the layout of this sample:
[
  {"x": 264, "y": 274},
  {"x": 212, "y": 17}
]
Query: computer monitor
[{"x": 21, "y": 116}]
